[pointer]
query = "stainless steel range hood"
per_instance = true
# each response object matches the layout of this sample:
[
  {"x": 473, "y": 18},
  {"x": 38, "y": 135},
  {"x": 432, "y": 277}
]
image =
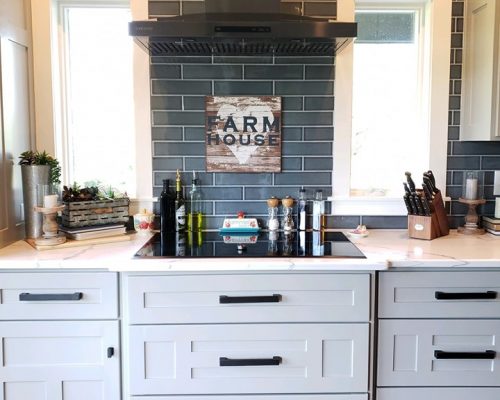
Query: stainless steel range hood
[{"x": 242, "y": 27}]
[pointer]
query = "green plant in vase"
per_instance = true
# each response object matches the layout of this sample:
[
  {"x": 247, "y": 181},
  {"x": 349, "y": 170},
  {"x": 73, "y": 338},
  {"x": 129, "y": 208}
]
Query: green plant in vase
[
  {"x": 37, "y": 169},
  {"x": 43, "y": 158}
]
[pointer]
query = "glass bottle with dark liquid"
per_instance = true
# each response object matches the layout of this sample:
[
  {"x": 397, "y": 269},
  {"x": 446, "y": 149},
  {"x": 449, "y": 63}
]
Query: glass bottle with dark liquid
[
  {"x": 180, "y": 206},
  {"x": 167, "y": 208}
]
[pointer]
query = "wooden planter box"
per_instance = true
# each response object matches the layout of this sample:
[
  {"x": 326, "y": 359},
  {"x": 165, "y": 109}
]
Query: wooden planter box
[{"x": 97, "y": 212}]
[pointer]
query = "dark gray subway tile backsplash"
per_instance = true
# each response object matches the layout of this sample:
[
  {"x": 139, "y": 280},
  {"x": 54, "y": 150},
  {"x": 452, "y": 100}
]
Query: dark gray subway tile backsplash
[
  {"x": 307, "y": 86},
  {"x": 465, "y": 156}
]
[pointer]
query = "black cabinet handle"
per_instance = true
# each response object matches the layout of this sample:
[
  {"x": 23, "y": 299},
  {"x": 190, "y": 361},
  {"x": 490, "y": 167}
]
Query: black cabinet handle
[
  {"x": 50, "y": 296},
  {"x": 111, "y": 352},
  {"x": 489, "y": 295},
  {"x": 243, "y": 362},
  {"x": 452, "y": 355},
  {"x": 275, "y": 298}
]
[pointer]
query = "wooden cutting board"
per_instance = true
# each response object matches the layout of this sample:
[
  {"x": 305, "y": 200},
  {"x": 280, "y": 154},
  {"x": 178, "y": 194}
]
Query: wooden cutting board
[{"x": 78, "y": 243}]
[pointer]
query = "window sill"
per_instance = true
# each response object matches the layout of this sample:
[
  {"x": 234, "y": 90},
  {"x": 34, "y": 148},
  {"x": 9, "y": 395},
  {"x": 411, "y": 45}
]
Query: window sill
[{"x": 368, "y": 206}]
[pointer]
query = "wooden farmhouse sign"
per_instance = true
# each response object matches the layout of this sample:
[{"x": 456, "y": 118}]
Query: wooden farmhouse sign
[{"x": 243, "y": 134}]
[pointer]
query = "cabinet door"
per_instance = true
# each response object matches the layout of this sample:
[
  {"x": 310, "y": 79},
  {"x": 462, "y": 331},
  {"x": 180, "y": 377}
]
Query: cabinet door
[
  {"x": 15, "y": 114},
  {"x": 248, "y": 359},
  {"x": 480, "y": 99},
  {"x": 439, "y": 353},
  {"x": 59, "y": 360}
]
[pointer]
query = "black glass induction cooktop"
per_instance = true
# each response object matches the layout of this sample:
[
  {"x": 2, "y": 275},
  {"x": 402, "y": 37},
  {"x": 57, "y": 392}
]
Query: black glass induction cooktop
[{"x": 263, "y": 244}]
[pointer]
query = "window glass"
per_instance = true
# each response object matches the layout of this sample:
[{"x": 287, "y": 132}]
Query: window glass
[
  {"x": 99, "y": 100},
  {"x": 387, "y": 136}
]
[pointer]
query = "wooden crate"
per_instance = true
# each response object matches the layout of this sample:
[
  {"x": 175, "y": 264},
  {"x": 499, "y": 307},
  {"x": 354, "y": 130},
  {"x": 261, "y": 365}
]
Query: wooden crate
[{"x": 97, "y": 212}]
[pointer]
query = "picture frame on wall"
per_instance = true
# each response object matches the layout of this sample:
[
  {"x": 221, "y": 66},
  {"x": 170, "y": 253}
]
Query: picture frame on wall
[{"x": 243, "y": 133}]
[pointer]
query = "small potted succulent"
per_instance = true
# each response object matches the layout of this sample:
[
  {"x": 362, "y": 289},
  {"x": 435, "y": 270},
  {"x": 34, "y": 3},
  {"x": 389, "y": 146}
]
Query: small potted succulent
[{"x": 37, "y": 168}]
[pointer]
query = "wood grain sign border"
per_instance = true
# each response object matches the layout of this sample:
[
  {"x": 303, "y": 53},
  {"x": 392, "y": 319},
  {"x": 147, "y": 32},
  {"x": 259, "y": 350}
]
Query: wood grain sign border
[{"x": 243, "y": 134}]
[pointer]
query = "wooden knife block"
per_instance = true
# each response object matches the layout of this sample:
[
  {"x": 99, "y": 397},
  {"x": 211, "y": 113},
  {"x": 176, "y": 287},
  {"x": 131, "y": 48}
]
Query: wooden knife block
[{"x": 432, "y": 227}]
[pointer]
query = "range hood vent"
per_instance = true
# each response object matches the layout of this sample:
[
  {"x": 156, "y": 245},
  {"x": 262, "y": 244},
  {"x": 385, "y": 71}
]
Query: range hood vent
[{"x": 242, "y": 27}]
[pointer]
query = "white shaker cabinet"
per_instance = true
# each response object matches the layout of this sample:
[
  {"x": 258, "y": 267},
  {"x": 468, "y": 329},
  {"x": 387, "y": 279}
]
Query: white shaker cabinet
[
  {"x": 59, "y": 360},
  {"x": 480, "y": 114},
  {"x": 288, "y": 336},
  {"x": 438, "y": 335},
  {"x": 237, "y": 359},
  {"x": 59, "y": 336}
]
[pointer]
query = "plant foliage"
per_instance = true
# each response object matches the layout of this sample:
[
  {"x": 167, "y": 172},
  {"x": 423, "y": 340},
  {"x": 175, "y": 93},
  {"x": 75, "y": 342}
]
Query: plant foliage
[{"x": 43, "y": 158}]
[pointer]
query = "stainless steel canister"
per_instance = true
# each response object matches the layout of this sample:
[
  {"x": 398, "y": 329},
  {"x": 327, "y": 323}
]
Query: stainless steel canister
[{"x": 32, "y": 176}]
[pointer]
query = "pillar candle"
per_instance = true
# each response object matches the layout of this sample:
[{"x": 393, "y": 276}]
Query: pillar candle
[
  {"x": 471, "y": 189},
  {"x": 50, "y": 201}
]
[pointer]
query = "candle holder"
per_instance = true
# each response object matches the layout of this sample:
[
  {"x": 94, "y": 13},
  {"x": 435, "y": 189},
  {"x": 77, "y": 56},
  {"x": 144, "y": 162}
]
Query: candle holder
[
  {"x": 50, "y": 236},
  {"x": 48, "y": 204},
  {"x": 472, "y": 196}
]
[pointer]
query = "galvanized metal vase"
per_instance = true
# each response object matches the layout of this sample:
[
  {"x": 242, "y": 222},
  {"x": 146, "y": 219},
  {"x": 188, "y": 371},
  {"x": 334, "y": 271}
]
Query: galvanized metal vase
[{"x": 32, "y": 176}]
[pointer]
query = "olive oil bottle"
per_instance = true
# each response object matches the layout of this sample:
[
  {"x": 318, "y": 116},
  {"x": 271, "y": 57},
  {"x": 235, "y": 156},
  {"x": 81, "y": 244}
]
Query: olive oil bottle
[
  {"x": 195, "y": 216},
  {"x": 180, "y": 205}
]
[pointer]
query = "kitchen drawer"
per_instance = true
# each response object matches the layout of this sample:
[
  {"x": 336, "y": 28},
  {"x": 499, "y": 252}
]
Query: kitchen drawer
[
  {"x": 438, "y": 394},
  {"x": 248, "y": 298},
  {"x": 408, "y": 353},
  {"x": 261, "y": 397},
  {"x": 61, "y": 295},
  {"x": 59, "y": 360},
  {"x": 439, "y": 295},
  {"x": 285, "y": 358}
]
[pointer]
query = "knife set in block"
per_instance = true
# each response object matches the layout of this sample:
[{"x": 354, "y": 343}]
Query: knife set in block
[
  {"x": 430, "y": 227},
  {"x": 427, "y": 217}
]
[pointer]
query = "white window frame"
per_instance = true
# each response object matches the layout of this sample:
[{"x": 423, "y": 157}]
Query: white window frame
[
  {"x": 48, "y": 90},
  {"x": 437, "y": 14}
]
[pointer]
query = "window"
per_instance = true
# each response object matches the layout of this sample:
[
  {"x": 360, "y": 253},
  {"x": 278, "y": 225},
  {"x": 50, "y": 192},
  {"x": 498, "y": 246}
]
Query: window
[
  {"x": 391, "y": 92},
  {"x": 96, "y": 136},
  {"x": 387, "y": 135}
]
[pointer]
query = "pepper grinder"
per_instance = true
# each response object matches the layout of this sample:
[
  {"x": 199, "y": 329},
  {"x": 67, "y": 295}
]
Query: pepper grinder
[
  {"x": 272, "y": 210},
  {"x": 287, "y": 214}
]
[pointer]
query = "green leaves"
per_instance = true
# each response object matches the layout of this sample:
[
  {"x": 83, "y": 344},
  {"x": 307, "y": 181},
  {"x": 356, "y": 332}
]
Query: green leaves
[{"x": 43, "y": 158}]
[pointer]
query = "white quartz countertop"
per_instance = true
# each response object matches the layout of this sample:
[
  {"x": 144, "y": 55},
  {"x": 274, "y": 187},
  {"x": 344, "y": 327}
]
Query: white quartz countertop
[{"x": 383, "y": 249}]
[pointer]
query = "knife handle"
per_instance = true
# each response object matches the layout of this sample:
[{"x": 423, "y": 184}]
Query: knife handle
[
  {"x": 418, "y": 202},
  {"x": 413, "y": 205},
  {"x": 411, "y": 184},
  {"x": 407, "y": 189},
  {"x": 432, "y": 178},
  {"x": 427, "y": 208},
  {"x": 430, "y": 186},
  {"x": 427, "y": 191},
  {"x": 406, "y": 199}
]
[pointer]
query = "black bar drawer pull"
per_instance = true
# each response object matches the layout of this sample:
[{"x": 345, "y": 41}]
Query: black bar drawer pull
[
  {"x": 50, "y": 296},
  {"x": 110, "y": 352},
  {"x": 451, "y": 355},
  {"x": 244, "y": 362},
  {"x": 275, "y": 298},
  {"x": 489, "y": 295}
]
